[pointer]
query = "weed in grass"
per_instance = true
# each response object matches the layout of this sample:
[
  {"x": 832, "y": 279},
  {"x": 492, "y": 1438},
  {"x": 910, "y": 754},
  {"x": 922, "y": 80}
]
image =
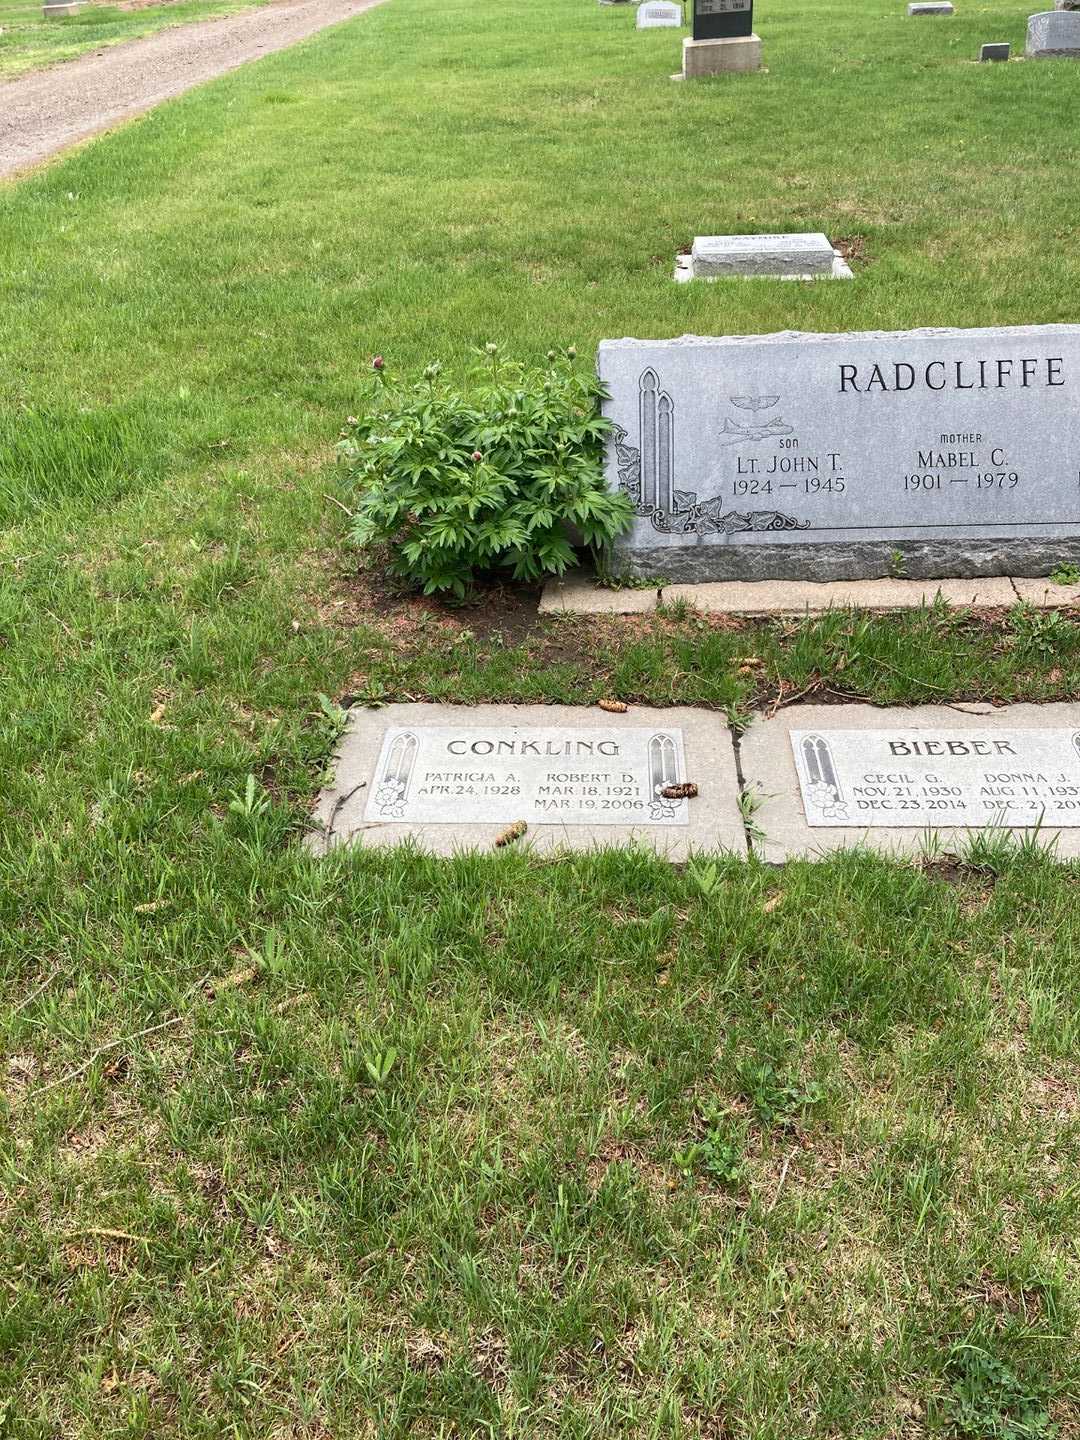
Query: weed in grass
[
  {"x": 986, "y": 1400},
  {"x": 1066, "y": 574},
  {"x": 776, "y": 1099}
]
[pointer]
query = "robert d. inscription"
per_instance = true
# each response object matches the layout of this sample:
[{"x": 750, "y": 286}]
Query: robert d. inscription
[
  {"x": 937, "y": 779},
  {"x": 443, "y": 775},
  {"x": 941, "y": 452}
]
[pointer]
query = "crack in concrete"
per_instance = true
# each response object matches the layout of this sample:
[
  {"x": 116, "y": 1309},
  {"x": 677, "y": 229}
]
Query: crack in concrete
[{"x": 339, "y": 805}]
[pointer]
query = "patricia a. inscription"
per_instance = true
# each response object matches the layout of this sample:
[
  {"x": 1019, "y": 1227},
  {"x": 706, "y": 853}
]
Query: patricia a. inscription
[
  {"x": 831, "y": 456},
  {"x": 939, "y": 779},
  {"x": 444, "y": 775}
]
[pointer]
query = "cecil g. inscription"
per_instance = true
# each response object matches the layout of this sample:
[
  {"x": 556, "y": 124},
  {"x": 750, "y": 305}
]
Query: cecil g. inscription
[
  {"x": 937, "y": 452},
  {"x": 443, "y": 775},
  {"x": 939, "y": 779}
]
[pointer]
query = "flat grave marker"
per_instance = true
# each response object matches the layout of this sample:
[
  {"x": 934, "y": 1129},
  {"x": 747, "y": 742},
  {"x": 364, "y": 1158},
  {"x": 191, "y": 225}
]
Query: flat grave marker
[
  {"x": 995, "y": 51},
  {"x": 457, "y": 777},
  {"x": 833, "y": 776},
  {"x": 927, "y": 453}
]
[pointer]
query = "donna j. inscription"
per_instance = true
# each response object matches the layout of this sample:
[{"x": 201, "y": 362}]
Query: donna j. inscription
[
  {"x": 449, "y": 775},
  {"x": 740, "y": 444},
  {"x": 938, "y": 779}
]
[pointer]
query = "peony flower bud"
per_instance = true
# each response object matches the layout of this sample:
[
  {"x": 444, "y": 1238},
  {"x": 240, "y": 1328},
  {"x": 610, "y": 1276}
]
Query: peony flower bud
[
  {"x": 477, "y": 456},
  {"x": 377, "y": 362}
]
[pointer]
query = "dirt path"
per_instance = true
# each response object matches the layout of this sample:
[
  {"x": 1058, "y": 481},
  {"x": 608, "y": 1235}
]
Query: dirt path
[{"x": 43, "y": 113}]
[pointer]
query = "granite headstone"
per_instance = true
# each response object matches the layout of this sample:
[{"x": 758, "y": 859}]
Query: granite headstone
[
  {"x": 1054, "y": 35},
  {"x": 850, "y": 456}
]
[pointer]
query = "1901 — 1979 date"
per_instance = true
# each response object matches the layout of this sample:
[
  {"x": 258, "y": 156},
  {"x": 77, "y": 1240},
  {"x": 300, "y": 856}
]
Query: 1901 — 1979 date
[{"x": 985, "y": 480}]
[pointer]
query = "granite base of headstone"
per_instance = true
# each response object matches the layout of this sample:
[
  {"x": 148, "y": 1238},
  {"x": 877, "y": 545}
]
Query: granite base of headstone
[
  {"x": 994, "y": 52},
  {"x": 738, "y": 55},
  {"x": 659, "y": 15},
  {"x": 1054, "y": 35},
  {"x": 449, "y": 778},
  {"x": 913, "y": 781},
  {"x": 920, "y": 453}
]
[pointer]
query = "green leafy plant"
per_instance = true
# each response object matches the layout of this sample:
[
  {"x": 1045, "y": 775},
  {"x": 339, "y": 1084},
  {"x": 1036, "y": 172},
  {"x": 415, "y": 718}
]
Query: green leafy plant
[
  {"x": 777, "y": 1100},
  {"x": 1067, "y": 573},
  {"x": 718, "y": 1154},
  {"x": 460, "y": 484},
  {"x": 988, "y": 1401}
]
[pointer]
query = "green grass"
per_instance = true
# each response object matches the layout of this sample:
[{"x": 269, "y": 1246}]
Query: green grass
[
  {"x": 28, "y": 41},
  {"x": 231, "y": 1226}
]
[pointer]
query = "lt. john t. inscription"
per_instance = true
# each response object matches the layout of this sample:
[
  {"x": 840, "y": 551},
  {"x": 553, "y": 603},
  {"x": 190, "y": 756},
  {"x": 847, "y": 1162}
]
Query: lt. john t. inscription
[
  {"x": 944, "y": 779},
  {"x": 444, "y": 775}
]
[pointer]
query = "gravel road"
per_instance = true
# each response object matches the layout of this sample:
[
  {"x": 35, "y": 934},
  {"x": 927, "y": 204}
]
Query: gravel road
[{"x": 45, "y": 112}]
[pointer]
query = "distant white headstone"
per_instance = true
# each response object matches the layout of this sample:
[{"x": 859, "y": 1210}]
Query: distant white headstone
[{"x": 659, "y": 15}]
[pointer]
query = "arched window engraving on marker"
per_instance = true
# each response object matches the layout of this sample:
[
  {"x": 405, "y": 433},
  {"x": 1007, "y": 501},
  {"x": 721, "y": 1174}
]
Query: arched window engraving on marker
[
  {"x": 648, "y": 386},
  {"x": 663, "y": 771},
  {"x": 647, "y": 473},
  {"x": 822, "y": 789},
  {"x": 393, "y": 788}
]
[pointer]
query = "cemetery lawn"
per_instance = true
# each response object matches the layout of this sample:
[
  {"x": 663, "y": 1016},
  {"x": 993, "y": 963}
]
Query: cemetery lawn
[
  {"x": 28, "y": 41},
  {"x": 590, "y": 1147}
]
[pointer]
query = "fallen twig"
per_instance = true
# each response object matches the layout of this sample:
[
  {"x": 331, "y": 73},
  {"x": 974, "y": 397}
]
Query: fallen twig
[
  {"x": 780, "y": 1184},
  {"x": 35, "y": 993},
  {"x": 103, "y": 1050}
]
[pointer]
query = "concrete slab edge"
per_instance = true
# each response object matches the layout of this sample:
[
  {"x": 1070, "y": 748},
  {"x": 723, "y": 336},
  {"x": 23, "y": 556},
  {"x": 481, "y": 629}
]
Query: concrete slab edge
[{"x": 578, "y": 594}]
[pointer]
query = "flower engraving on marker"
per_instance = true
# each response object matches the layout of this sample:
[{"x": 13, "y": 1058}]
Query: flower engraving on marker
[
  {"x": 393, "y": 790},
  {"x": 822, "y": 789}
]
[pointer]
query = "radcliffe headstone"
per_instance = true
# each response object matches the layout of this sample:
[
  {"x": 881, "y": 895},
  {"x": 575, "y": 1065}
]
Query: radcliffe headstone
[
  {"x": 455, "y": 778},
  {"x": 1054, "y": 35},
  {"x": 995, "y": 52},
  {"x": 927, "y": 453},
  {"x": 825, "y": 777},
  {"x": 659, "y": 15}
]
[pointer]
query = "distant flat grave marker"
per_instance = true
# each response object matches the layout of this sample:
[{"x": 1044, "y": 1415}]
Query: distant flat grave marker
[
  {"x": 995, "y": 52},
  {"x": 800, "y": 256},
  {"x": 846, "y": 457},
  {"x": 456, "y": 777},
  {"x": 829, "y": 776},
  {"x": 931, "y": 7}
]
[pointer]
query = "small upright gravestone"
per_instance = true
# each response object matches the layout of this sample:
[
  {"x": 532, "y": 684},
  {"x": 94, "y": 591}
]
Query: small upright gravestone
[
  {"x": 659, "y": 15},
  {"x": 1054, "y": 34},
  {"x": 723, "y": 41},
  {"x": 995, "y": 52}
]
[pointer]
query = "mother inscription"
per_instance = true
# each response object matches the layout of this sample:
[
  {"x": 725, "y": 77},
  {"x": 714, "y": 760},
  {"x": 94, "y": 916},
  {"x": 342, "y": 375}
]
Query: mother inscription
[{"x": 938, "y": 452}]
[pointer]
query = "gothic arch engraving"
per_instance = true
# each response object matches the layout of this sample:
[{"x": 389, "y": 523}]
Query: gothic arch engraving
[
  {"x": 393, "y": 788},
  {"x": 647, "y": 472}
]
